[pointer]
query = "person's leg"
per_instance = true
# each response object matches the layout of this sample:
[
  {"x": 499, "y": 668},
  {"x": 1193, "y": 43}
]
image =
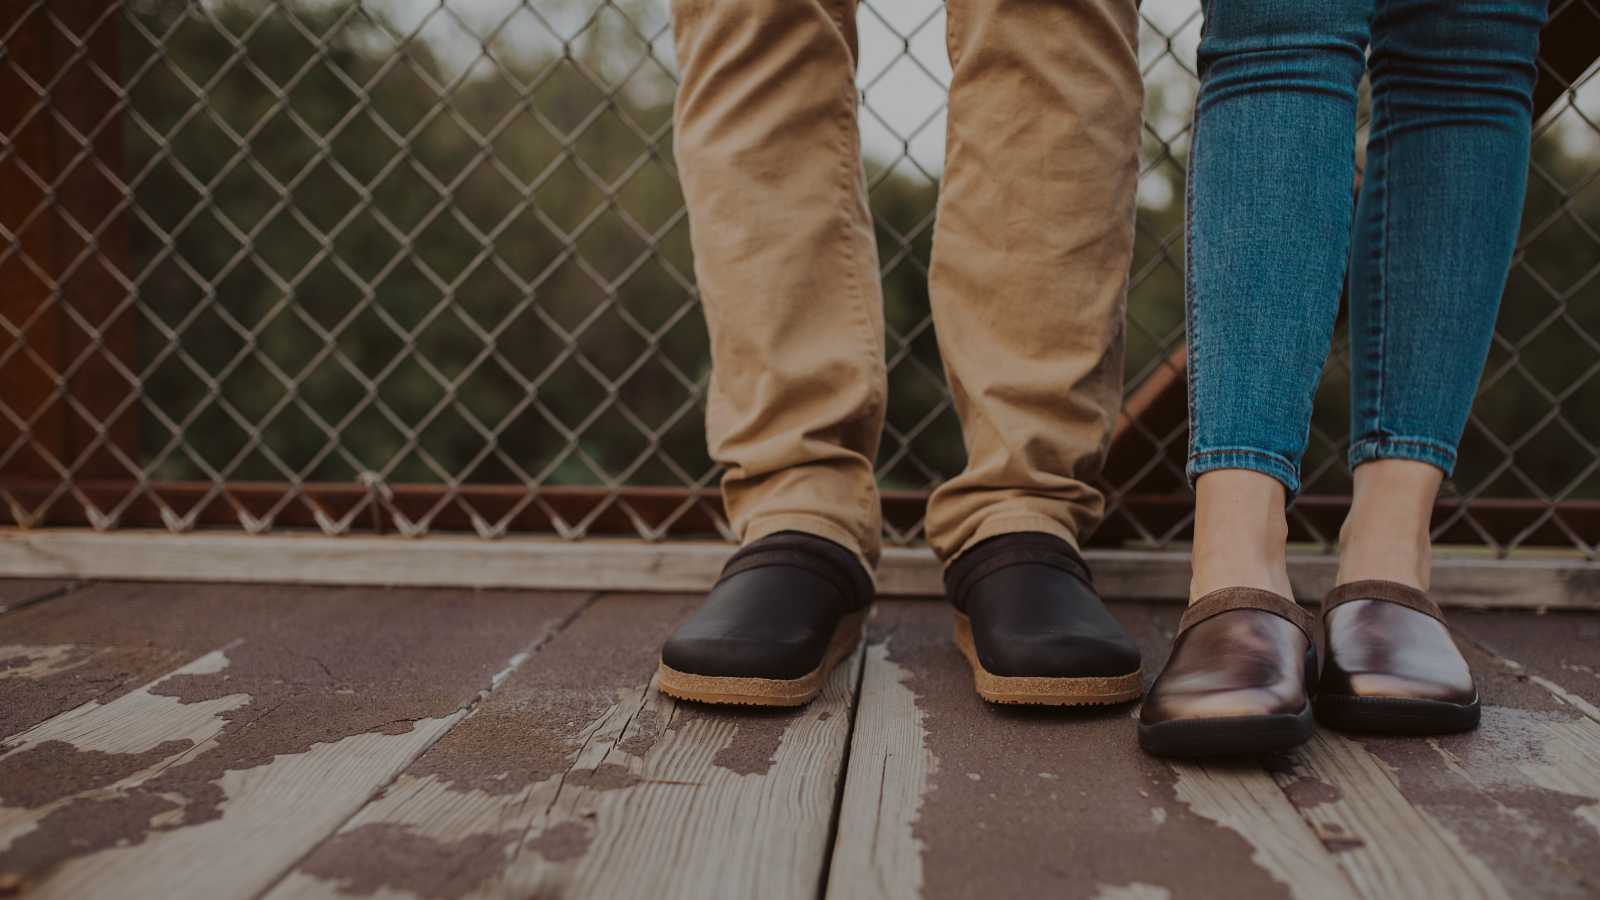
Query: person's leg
[
  {"x": 1031, "y": 257},
  {"x": 1447, "y": 167},
  {"x": 1030, "y": 272},
  {"x": 769, "y": 157},
  {"x": 1271, "y": 170},
  {"x": 770, "y": 161},
  {"x": 1452, "y": 85}
]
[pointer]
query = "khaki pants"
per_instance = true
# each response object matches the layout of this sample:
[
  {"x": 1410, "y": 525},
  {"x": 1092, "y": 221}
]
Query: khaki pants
[{"x": 1030, "y": 262}]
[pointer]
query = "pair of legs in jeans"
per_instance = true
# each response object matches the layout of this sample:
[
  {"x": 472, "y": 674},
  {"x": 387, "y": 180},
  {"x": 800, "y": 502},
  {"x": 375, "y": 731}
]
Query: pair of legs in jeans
[
  {"x": 1273, "y": 236},
  {"x": 1031, "y": 256}
]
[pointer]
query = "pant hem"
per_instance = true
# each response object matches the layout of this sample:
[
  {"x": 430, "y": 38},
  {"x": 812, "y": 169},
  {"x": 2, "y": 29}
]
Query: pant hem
[
  {"x": 1014, "y": 523},
  {"x": 813, "y": 525},
  {"x": 1418, "y": 449},
  {"x": 1265, "y": 462}
]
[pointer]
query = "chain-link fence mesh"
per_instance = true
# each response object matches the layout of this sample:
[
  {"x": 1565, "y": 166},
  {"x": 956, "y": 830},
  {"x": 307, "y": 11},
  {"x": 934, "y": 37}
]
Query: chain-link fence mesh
[{"x": 418, "y": 265}]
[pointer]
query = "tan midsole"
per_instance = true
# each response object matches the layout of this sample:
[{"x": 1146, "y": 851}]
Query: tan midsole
[
  {"x": 765, "y": 691},
  {"x": 1037, "y": 689}
]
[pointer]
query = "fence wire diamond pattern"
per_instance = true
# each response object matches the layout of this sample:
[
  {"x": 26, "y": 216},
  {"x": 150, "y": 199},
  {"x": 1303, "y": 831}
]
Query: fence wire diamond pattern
[{"x": 411, "y": 265}]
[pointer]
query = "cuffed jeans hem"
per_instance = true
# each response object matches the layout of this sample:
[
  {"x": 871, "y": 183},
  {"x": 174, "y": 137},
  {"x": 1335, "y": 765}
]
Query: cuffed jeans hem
[
  {"x": 1426, "y": 450},
  {"x": 814, "y": 525},
  {"x": 1263, "y": 461},
  {"x": 1016, "y": 523}
]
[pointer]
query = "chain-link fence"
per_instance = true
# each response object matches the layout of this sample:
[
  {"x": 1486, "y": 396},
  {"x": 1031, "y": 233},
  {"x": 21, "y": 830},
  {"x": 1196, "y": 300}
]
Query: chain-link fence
[{"x": 418, "y": 265}]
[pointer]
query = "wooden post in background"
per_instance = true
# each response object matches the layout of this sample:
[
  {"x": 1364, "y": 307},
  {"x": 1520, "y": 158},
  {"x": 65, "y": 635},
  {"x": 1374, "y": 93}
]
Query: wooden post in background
[
  {"x": 64, "y": 266},
  {"x": 34, "y": 357}
]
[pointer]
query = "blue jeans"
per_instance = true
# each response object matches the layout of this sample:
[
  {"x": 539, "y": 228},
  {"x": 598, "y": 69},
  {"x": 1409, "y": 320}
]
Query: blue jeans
[{"x": 1270, "y": 210}]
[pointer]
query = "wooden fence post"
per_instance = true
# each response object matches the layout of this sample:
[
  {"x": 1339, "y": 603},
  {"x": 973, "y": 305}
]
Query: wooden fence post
[{"x": 67, "y": 390}]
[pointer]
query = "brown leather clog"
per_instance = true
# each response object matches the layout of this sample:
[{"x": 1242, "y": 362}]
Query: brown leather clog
[
  {"x": 1392, "y": 667},
  {"x": 1238, "y": 679}
]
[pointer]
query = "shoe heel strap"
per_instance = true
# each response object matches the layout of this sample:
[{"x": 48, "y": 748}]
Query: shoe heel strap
[
  {"x": 800, "y": 553},
  {"x": 1229, "y": 599},
  {"x": 982, "y": 561},
  {"x": 1386, "y": 591}
]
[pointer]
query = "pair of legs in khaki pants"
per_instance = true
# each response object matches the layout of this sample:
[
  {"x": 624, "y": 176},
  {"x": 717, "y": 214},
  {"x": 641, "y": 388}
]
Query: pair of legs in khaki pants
[{"x": 1028, "y": 283}]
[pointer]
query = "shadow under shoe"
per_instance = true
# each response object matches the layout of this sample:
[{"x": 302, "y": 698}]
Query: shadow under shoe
[
  {"x": 1237, "y": 681},
  {"x": 1392, "y": 666},
  {"x": 786, "y": 610},
  {"x": 1032, "y": 628}
]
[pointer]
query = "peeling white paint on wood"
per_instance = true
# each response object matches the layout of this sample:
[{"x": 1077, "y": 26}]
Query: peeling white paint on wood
[
  {"x": 1388, "y": 847},
  {"x": 877, "y": 853},
  {"x": 272, "y": 816},
  {"x": 1247, "y": 801},
  {"x": 1137, "y": 890},
  {"x": 40, "y": 661},
  {"x": 690, "y": 828},
  {"x": 674, "y": 825},
  {"x": 136, "y": 722},
  {"x": 1568, "y": 759},
  {"x": 1515, "y": 749},
  {"x": 430, "y": 807},
  {"x": 139, "y": 721}
]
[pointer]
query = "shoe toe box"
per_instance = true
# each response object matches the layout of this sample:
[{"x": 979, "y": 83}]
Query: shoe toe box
[
  {"x": 1240, "y": 702},
  {"x": 1384, "y": 651},
  {"x": 742, "y": 656},
  {"x": 772, "y": 622},
  {"x": 1439, "y": 687},
  {"x": 1056, "y": 653}
]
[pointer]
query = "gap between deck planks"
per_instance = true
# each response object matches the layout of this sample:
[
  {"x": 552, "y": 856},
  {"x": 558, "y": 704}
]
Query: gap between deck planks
[{"x": 15, "y": 593}]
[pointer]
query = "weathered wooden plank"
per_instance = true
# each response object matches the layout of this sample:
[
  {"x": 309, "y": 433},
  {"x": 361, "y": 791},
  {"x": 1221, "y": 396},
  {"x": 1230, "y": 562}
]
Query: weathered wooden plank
[
  {"x": 728, "y": 804},
  {"x": 1512, "y": 809},
  {"x": 16, "y": 593},
  {"x": 95, "y": 644},
  {"x": 608, "y": 564},
  {"x": 578, "y": 779},
  {"x": 451, "y": 823},
  {"x": 43, "y": 679},
  {"x": 1559, "y": 651},
  {"x": 950, "y": 797},
  {"x": 96, "y": 747},
  {"x": 877, "y": 853},
  {"x": 315, "y": 699},
  {"x": 1388, "y": 847},
  {"x": 1243, "y": 797}
]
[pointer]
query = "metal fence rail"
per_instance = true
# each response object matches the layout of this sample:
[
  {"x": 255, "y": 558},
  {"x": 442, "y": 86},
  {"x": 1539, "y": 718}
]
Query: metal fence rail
[{"x": 410, "y": 265}]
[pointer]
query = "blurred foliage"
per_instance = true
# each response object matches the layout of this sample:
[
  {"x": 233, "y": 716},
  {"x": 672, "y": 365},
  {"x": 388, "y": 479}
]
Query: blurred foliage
[
  {"x": 345, "y": 241},
  {"x": 377, "y": 262}
]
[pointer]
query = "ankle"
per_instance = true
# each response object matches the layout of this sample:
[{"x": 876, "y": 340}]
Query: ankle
[
  {"x": 1386, "y": 551},
  {"x": 1240, "y": 534},
  {"x": 1255, "y": 562},
  {"x": 1386, "y": 534}
]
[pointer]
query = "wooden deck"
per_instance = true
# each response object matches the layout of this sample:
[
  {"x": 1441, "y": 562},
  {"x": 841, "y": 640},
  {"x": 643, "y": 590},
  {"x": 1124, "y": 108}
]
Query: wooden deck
[{"x": 195, "y": 740}]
